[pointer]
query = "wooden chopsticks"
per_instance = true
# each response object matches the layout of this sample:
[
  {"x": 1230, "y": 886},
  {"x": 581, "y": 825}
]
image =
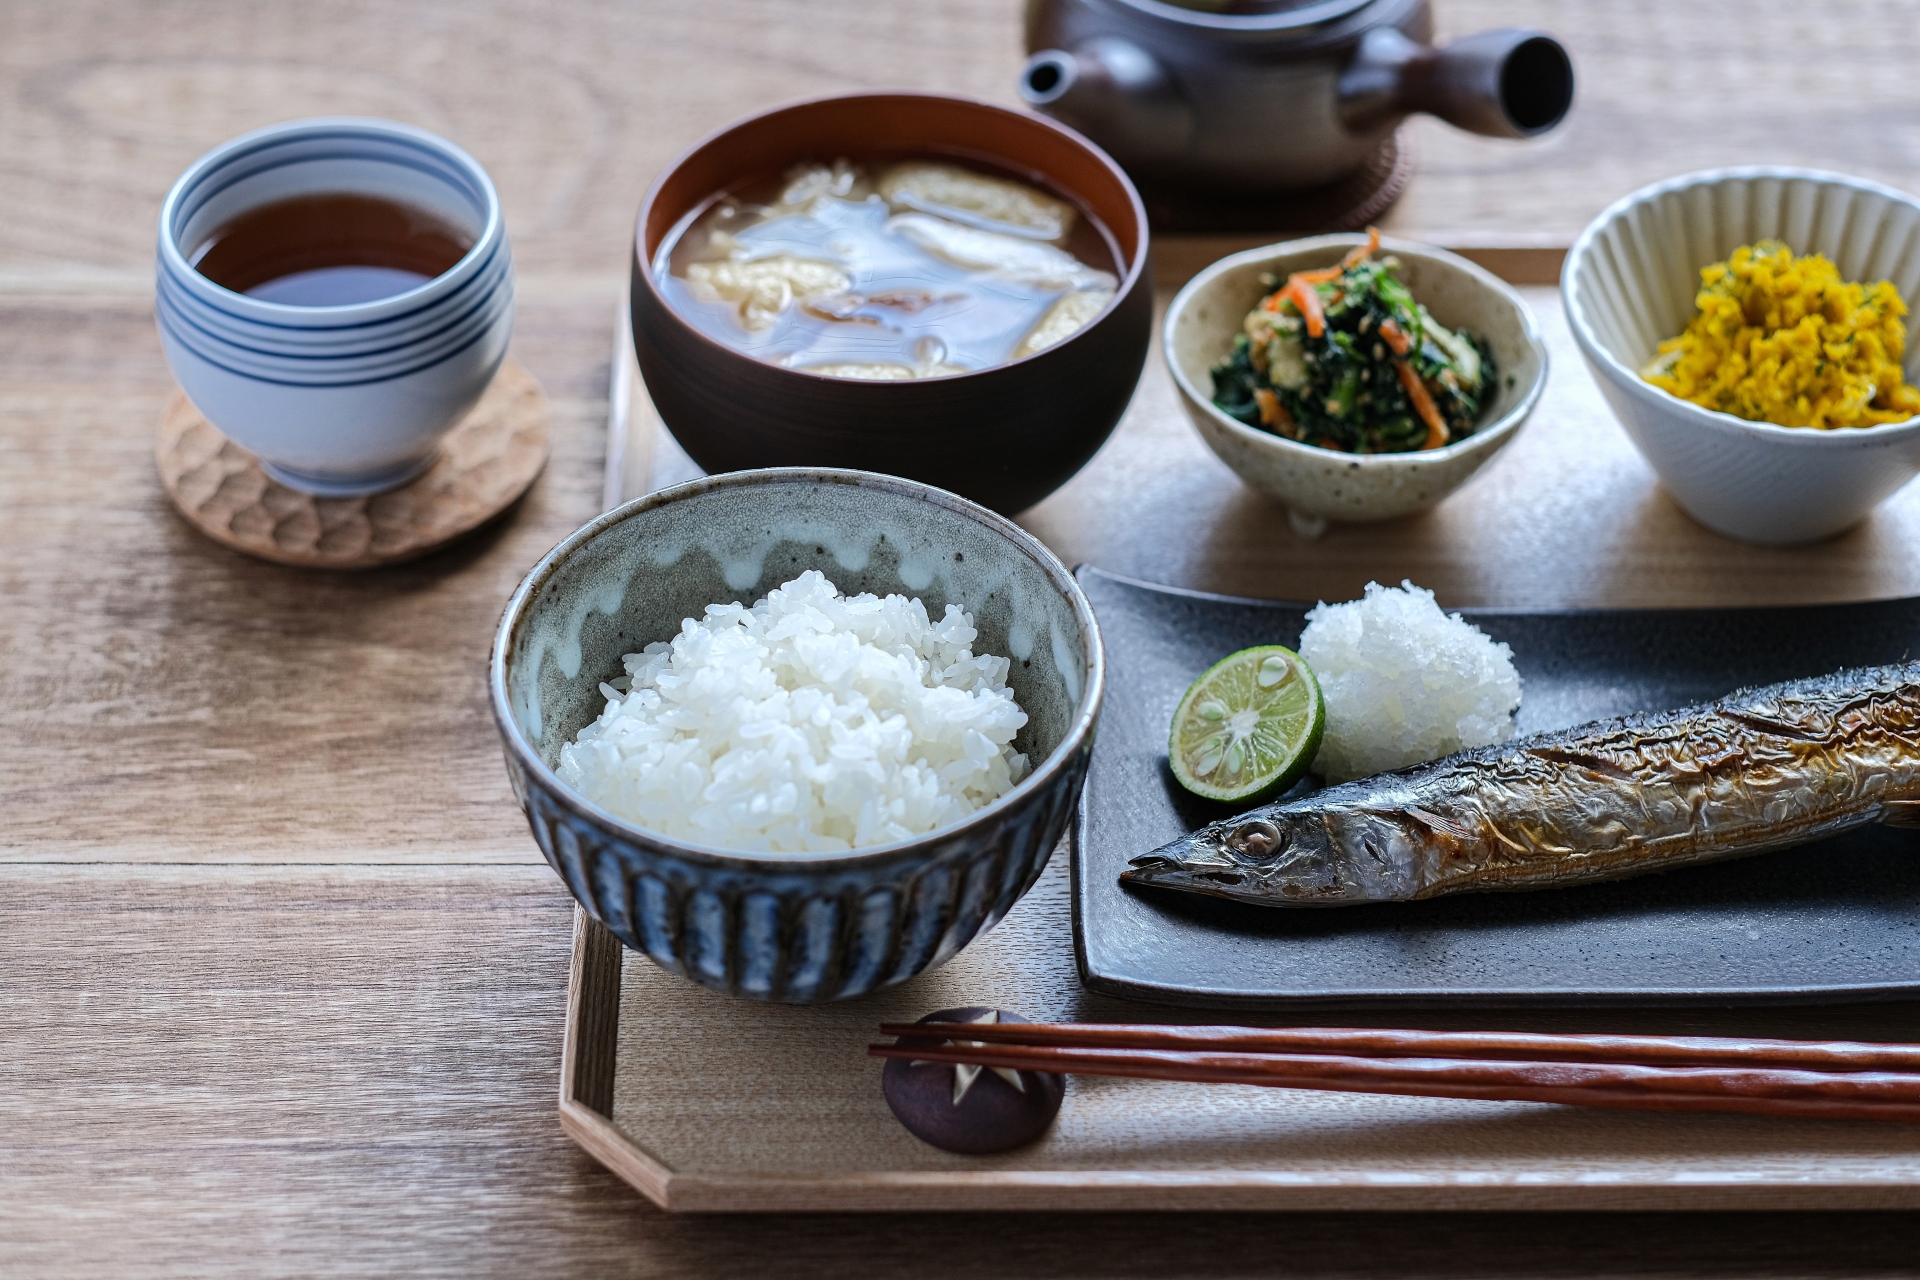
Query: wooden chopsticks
[
  {"x": 1835, "y": 1080},
  {"x": 1699, "y": 1051}
]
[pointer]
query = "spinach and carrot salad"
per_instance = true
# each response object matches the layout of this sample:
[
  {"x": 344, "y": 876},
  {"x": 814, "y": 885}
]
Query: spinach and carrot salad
[{"x": 1345, "y": 358}]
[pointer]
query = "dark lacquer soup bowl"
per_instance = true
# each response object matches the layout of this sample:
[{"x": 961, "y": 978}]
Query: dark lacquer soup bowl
[
  {"x": 1004, "y": 436},
  {"x": 797, "y": 928}
]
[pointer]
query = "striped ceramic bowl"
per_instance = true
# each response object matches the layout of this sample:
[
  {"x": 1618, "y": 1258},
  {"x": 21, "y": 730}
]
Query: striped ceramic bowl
[
  {"x": 336, "y": 400},
  {"x": 1629, "y": 283},
  {"x": 797, "y": 928}
]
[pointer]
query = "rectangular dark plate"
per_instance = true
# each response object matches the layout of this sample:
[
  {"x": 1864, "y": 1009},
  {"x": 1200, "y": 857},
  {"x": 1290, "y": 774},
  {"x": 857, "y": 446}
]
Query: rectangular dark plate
[{"x": 1837, "y": 920}]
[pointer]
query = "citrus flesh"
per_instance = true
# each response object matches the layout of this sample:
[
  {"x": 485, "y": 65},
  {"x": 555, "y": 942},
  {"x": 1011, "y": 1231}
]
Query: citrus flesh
[{"x": 1249, "y": 727}]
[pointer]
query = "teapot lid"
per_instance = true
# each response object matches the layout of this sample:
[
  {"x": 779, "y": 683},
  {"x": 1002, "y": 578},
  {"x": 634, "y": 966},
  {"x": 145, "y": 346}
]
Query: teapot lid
[{"x": 1248, "y": 15}]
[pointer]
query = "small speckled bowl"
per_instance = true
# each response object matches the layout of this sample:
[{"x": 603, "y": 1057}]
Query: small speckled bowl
[
  {"x": 1322, "y": 484},
  {"x": 797, "y": 928}
]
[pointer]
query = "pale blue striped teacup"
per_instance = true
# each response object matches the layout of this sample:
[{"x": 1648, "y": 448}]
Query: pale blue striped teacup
[{"x": 345, "y": 399}]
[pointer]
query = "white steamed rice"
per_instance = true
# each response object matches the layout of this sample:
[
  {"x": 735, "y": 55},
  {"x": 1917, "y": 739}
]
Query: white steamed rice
[
  {"x": 810, "y": 722},
  {"x": 1404, "y": 683}
]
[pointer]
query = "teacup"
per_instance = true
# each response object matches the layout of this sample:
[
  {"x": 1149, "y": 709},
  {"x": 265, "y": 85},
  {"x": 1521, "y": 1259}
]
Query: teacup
[{"x": 348, "y": 399}]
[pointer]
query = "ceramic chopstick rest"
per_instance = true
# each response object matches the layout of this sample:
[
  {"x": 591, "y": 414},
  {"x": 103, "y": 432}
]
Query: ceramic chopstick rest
[{"x": 965, "y": 1109}]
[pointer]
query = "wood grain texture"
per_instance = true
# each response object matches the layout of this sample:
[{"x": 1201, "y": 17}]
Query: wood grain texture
[
  {"x": 282, "y": 1069},
  {"x": 574, "y": 107},
  {"x": 297, "y": 1071},
  {"x": 588, "y": 1056},
  {"x": 772, "y": 1107},
  {"x": 185, "y": 702}
]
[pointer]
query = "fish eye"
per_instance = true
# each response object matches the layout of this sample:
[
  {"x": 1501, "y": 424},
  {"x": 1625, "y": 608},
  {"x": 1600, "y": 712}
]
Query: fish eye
[{"x": 1254, "y": 839}]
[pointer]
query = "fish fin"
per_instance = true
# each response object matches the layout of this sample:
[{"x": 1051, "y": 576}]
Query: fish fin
[
  {"x": 1903, "y": 814},
  {"x": 1439, "y": 825}
]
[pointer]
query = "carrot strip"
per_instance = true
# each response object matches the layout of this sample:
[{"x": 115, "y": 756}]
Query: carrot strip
[
  {"x": 1396, "y": 337},
  {"x": 1298, "y": 284},
  {"x": 1437, "y": 433},
  {"x": 1307, "y": 299},
  {"x": 1270, "y": 411},
  {"x": 1361, "y": 252}
]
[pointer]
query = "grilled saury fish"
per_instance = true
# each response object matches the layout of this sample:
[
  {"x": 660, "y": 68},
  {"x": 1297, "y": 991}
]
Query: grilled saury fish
[{"x": 1759, "y": 769}]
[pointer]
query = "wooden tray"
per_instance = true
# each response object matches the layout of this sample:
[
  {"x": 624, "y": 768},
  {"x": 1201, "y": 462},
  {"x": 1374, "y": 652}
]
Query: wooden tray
[
  {"x": 710, "y": 1104},
  {"x": 706, "y": 1103}
]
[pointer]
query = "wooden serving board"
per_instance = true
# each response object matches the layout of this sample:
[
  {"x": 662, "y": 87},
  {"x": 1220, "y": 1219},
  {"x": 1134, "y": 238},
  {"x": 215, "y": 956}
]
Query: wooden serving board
[{"x": 706, "y": 1103}]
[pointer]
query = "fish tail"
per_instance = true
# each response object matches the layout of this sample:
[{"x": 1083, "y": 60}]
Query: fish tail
[{"x": 1901, "y": 814}]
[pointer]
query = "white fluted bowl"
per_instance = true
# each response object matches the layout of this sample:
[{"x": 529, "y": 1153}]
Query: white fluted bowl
[{"x": 1629, "y": 283}]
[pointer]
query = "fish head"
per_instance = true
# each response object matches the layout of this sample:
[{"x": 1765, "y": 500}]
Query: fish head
[{"x": 1268, "y": 856}]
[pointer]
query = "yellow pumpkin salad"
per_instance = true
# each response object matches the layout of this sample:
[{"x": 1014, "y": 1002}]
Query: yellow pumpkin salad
[{"x": 1784, "y": 340}]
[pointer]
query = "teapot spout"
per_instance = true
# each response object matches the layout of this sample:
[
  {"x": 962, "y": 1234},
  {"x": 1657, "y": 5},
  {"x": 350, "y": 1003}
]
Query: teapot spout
[
  {"x": 1509, "y": 83},
  {"x": 1116, "y": 93}
]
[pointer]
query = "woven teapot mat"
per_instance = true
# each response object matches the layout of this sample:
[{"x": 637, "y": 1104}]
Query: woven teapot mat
[
  {"x": 485, "y": 464},
  {"x": 1346, "y": 205}
]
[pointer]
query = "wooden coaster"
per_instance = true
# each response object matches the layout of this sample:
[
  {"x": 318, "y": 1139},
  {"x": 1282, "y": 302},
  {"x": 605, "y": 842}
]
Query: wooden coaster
[
  {"x": 1347, "y": 205},
  {"x": 485, "y": 463}
]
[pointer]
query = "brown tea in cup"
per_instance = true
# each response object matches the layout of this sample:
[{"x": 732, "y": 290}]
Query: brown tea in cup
[{"x": 330, "y": 249}]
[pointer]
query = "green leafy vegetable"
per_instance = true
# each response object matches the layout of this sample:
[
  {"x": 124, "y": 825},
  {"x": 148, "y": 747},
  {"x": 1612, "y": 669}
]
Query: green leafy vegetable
[{"x": 1336, "y": 379}]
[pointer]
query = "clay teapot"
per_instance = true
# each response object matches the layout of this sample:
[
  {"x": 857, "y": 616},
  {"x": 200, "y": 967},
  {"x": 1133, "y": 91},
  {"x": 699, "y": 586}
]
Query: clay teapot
[{"x": 1252, "y": 96}]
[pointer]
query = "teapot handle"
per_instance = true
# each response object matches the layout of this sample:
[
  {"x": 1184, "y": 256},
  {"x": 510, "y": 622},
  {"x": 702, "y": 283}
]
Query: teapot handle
[{"x": 1509, "y": 83}]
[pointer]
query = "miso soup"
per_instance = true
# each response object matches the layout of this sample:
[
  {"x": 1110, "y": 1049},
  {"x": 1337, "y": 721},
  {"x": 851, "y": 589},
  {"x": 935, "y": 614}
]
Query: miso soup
[{"x": 909, "y": 268}]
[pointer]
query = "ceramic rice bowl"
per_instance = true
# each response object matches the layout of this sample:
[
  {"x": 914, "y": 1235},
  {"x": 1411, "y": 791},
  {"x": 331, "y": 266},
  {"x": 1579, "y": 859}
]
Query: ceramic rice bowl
[
  {"x": 795, "y": 928},
  {"x": 1325, "y": 484},
  {"x": 1630, "y": 282}
]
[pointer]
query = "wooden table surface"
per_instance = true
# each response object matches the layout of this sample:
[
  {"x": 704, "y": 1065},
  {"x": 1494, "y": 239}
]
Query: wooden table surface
[{"x": 281, "y": 973}]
